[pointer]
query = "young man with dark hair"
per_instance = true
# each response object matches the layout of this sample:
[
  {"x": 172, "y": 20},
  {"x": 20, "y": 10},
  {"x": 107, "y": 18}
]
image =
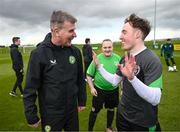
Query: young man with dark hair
[
  {"x": 104, "y": 94},
  {"x": 17, "y": 65},
  {"x": 87, "y": 54},
  {"x": 141, "y": 76},
  {"x": 168, "y": 49},
  {"x": 55, "y": 75}
]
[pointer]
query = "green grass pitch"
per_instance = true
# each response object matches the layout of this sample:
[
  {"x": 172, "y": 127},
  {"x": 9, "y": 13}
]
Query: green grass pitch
[{"x": 12, "y": 111}]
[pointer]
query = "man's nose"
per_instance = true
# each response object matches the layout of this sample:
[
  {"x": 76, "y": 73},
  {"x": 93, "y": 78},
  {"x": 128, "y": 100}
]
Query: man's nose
[
  {"x": 121, "y": 36},
  {"x": 74, "y": 34}
]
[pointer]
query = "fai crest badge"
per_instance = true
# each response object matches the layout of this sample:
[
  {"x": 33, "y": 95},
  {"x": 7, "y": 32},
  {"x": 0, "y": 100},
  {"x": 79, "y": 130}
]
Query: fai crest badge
[
  {"x": 72, "y": 59},
  {"x": 47, "y": 128},
  {"x": 136, "y": 70}
]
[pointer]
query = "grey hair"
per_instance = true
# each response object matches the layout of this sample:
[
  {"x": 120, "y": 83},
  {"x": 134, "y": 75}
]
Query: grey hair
[{"x": 59, "y": 17}]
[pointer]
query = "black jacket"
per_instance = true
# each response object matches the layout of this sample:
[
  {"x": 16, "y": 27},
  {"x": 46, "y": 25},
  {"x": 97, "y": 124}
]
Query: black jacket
[
  {"x": 55, "y": 75},
  {"x": 16, "y": 57},
  {"x": 87, "y": 53}
]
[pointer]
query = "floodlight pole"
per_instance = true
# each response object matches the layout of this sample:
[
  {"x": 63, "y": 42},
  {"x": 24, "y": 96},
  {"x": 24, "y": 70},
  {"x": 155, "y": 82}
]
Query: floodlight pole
[{"x": 155, "y": 24}]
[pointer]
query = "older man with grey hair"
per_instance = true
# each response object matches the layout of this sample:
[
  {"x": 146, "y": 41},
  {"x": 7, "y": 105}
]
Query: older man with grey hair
[{"x": 55, "y": 75}]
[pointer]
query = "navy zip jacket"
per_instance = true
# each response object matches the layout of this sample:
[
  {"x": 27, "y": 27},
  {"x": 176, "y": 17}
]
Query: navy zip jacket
[
  {"x": 16, "y": 57},
  {"x": 55, "y": 75}
]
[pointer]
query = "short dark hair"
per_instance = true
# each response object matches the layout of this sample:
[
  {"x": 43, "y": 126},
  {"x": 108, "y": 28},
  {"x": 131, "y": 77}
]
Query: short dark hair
[
  {"x": 59, "y": 17},
  {"x": 87, "y": 40},
  {"x": 14, "y": 39},
  {"x": 139, "y": 23},
  {"x": 106, "y": 40}
]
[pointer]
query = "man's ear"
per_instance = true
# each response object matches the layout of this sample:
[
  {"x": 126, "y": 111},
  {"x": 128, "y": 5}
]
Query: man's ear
[
  {"x": 138, "y": 34},
  {"x": 56, "y": 31}
]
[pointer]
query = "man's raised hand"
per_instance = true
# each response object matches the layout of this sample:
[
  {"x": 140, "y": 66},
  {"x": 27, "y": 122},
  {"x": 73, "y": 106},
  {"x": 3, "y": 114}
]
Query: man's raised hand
[
  {"x": 96, "y": 62},
  {"x": 128, "y": 67}
]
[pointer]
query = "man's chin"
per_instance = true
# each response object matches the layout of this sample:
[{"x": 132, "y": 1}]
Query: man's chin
[
  {"x": 125, "y": 48},
  {"x": 108, "y": 55},
  {"x": 68, "y": 44}
]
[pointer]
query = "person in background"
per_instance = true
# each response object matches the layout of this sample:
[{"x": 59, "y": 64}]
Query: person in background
[
  {"x": 103, "y": 92},
  {"x": 168, "y": 49},
  {"x": 17, "y": 65},
  {"x": 87, "y": 54}
]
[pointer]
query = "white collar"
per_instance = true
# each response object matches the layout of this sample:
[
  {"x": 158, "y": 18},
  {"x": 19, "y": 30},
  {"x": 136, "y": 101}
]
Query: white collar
[{"x": 136, "y": 53}]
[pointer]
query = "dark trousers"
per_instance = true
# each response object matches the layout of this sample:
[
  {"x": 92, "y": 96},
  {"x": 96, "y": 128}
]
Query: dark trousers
[
  {"x": 110, "y": 100},
  {"x": 19, "y": 80},
  {"x": 172, "y": 60},
  {"x": 168, "y": 56},
  {"x": 55, "y": 123},
  {"x": 123, "y": 125}
]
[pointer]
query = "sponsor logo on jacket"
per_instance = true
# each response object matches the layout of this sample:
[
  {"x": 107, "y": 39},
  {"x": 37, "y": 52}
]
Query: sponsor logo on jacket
[{"x": 53, "y": 62}]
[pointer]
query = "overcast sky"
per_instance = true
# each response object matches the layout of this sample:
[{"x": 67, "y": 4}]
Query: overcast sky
[{"x": 97, "y": 19}]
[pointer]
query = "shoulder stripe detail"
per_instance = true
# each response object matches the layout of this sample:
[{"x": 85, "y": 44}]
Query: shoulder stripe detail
[{"x": 157, "y": 83}]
